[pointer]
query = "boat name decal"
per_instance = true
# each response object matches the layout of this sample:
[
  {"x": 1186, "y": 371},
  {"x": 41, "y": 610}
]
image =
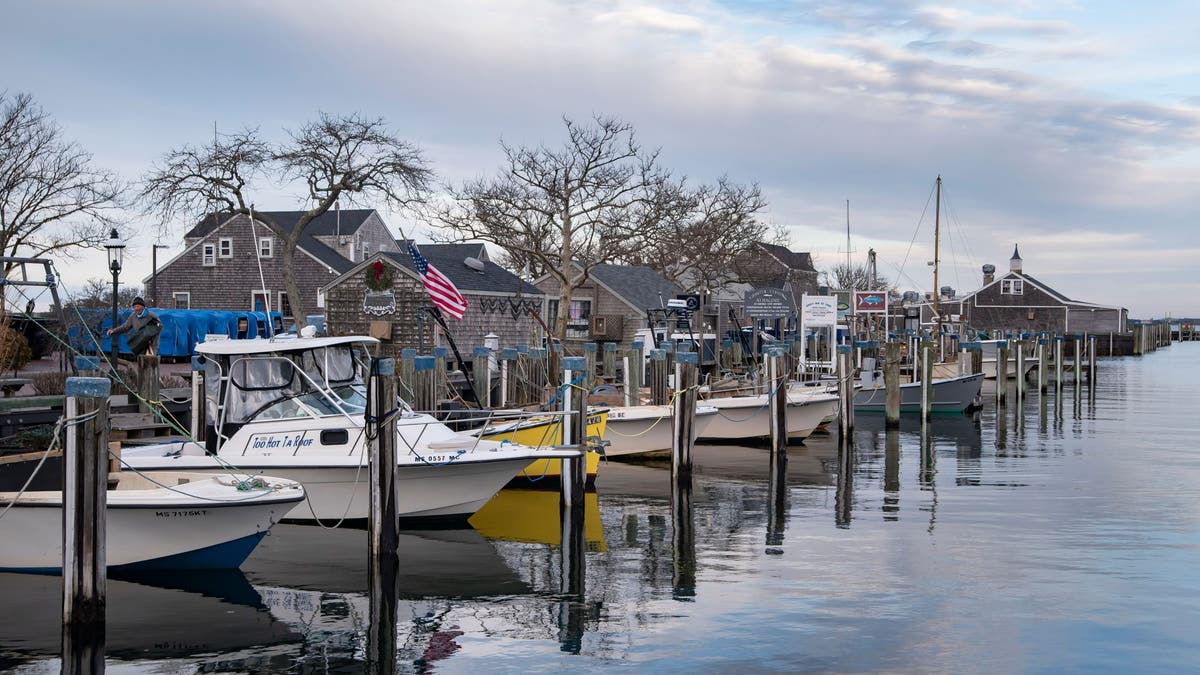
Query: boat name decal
[
  {"x": 280, "y": 441},
  {"x": 181, "y": 514}
]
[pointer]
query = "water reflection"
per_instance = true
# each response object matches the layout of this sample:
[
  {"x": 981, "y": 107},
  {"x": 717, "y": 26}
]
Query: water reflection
[{"x": 777, "y": 501}]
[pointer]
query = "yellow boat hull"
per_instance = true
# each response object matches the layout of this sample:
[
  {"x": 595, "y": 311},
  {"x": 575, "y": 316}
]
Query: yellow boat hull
[
  {"x": 534, "y": 517},
  {"x": 548, "y": 431}
]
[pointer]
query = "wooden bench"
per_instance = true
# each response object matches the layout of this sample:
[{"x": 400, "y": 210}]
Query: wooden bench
[{"x": 11, "y": 385}]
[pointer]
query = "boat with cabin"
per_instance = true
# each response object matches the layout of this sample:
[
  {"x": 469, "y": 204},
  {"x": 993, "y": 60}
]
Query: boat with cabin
[{"x": 295, "y": 407}]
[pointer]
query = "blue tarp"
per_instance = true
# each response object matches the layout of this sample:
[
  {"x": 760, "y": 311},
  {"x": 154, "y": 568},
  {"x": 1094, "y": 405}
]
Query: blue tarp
[{"x": 182, "y": 329}]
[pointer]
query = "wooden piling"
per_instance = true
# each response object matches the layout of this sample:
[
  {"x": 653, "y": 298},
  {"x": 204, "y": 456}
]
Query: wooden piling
[
  {"x": 573, "y": 472},
  {"x": 198, "y": 419},
  {"x": 683, "y": 416},
  {"x": 589, "y": 367},
  {"x": 891, "y": 382},
  {"x": 1002, "y": 372},
  {"x": 382, "y": 535},
  {"x": 441, "y": 376},
  {"x": 659, "y": 393},
  {"x": 508, "y": 377},
  {"x": 845, "y": 379},
  {"x": 147, "y": 382},
  {"x": 1078, "y": 361},
  {"x": 538, "y": 369},
  {"x": 1058, "y": 364},
  {"x": 404, "y": 374},
  {"x": 424, "y": 383},
  {"x": 85, "y": 500},
  {"x": 1043, "y": 357},
  {"x": 1092, "y": 361},
  {"x": 777, "y": 401},
  {"x": 1020, "y": 379},
  {"x": 926, "y": 380},
  {"x": 610, "y": 362},
  {"x": 481, "y": 372}
]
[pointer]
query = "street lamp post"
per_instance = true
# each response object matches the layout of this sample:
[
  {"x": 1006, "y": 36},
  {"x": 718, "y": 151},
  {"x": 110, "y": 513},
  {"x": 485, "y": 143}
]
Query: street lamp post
[{"x": 116, "y": 252}]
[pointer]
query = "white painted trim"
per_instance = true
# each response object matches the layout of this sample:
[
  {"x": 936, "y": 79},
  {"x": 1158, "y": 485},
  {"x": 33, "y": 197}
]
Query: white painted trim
[
  {"x": 207, "y": 258},
  {"x": 187, "y": 298},
  {"x": 221, "y": 245}
]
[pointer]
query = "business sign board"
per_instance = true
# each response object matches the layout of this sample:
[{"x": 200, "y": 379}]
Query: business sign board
[
  {"x": 768, "y": 303},
  {"x": 870, "y": 302},
  {"x": 819, "y": 311},
  {"x": 843, "y": 304}
]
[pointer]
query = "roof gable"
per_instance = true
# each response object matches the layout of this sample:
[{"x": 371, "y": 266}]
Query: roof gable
[
  {"x": 639, "y": 286},
  {"x": 491, "y": 279},
  {"x": 332, "y": 222}
]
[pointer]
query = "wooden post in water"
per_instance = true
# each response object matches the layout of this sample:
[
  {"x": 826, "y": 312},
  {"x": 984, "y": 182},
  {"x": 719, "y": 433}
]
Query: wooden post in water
[
  {"x": 147, "y": 382},
  {"x": 637, "y": 370},
  {"x": 570, "y": 481},
  {"x": 891, "y": 382},
  {"x": 405, "y": 388},
  {"x": 845, "y": 379},
  {"x": 683, "y": 417},
  {"x": 1043, "y": 356},
  {"x": 424, "y": 381},
  {"x": 1058, "y": 365},
  {"x": 1092, "y": 361},
  {"x": 777, "y": 400},
  {"x": 926, "y": 381},
  {"x": 441, "y": 376},
  {"x": 610, "y": 362},
  {"x": 481, "y": 372},
  {"x": 508, "y": 377},
  {"x": 1020, "y": 378},
  {"x": 383, "y": 538},
  {"x": 658, "y": 377},
  {"x": 197, "y": 421},
  {"x": 539, "y": 376},
  {"x": 589, "y": 367},
  {"x": 1002, "y": 372},
  {"x": 1078, "y": 361},
  {"x": 84, "y": 504}
]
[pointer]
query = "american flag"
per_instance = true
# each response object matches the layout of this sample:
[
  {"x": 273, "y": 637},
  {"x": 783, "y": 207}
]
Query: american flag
[{"x": 443, "y": 292}]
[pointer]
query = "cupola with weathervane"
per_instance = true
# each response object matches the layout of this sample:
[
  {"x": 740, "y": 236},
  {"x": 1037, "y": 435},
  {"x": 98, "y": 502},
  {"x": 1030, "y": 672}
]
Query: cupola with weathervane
[{"x": 1014, "y": 263}]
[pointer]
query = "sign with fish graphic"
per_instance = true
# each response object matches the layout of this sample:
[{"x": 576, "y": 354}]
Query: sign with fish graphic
[{"x": 867, "y": 302}]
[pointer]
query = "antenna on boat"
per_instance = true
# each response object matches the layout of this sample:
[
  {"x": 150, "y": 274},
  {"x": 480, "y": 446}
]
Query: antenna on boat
[{"x": 937, "y": 316}]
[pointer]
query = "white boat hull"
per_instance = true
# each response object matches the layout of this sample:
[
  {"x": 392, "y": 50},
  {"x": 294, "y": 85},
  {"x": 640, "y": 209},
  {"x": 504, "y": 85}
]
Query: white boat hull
[
  {"x": 741, "y": 417},
  {"x": 195, "y": 527},
  {"x": 954, "y": 394},
  {"x": 640, "y": 429}
]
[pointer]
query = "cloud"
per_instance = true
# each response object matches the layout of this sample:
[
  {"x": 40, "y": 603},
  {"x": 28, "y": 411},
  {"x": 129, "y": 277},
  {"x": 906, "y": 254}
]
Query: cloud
[{"x": 652, "y": 18}]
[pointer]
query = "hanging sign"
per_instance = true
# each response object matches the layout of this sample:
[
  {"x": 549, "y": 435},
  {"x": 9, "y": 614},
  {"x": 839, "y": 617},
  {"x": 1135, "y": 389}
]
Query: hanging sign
[
  {"x": 870, "y": 302},
  {"x": 379, "y": 303},
  {"x": 819, "y": 311}
]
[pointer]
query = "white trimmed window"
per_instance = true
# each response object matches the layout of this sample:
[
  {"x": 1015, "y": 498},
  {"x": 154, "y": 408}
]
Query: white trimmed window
[
  {"x": 1012, "y": 286},
  {"x": 183, "y": 300},
  {"x": 259, "y": 301},
  {"x": 225, "y": 247},
  {"x": 320, "y": 298},
  {"x": 366, "y": 250},
  {"x": 266, "y": 247},
  {"x": 209, "y": 256},
  {"x": 284, "y": 307}
]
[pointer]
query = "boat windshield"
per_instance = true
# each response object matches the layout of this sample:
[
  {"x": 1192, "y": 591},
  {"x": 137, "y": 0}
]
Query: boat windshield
[{"x": 314, "y": 382}]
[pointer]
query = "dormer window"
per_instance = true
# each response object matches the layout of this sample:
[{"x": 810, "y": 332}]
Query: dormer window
[{"x": 1012, "y": 286}]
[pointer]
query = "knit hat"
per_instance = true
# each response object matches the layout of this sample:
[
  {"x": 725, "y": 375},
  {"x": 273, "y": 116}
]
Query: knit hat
[{"x": 138, "y": 301}]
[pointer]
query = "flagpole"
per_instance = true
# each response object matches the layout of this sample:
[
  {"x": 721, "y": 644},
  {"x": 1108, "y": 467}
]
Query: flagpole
[{"x": 437, "y": 315}]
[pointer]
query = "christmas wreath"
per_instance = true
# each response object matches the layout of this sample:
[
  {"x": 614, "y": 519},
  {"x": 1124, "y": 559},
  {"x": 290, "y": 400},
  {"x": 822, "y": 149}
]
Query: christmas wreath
[{"x": 378, "y": 276}]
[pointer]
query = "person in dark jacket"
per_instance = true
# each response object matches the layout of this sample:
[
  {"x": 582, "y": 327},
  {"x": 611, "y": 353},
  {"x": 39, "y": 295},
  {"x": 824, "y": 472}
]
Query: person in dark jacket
[{"x": 143, "y": 327}]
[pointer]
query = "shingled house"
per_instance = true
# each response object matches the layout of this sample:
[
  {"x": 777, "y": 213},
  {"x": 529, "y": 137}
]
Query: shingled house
[
  {"x": 220, "y": 263},
  {"x": 383, "y": 296},
  {"x": 1019, "y": 302},
  {"x": 612, "y": 305}
]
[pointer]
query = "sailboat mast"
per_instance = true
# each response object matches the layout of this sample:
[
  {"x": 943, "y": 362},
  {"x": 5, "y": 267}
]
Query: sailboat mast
[{"x": 937, "y": 215}]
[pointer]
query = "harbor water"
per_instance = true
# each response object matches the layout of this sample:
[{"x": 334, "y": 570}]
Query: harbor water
[{"x": 1058, "y": 536}]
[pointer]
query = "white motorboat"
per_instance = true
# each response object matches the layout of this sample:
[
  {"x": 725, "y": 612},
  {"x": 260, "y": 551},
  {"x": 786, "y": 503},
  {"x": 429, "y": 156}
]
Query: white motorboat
[
  {"x": 951, "y": 394},
  {"x": 156, "y": 521},
  {"x": 747, "y": 416},
  {"x": 295, "y": 407},
  {"x": 638, "y": 429}
]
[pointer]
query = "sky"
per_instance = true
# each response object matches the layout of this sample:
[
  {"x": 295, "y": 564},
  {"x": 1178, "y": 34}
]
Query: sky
[{"x": 1066, "y": 127}]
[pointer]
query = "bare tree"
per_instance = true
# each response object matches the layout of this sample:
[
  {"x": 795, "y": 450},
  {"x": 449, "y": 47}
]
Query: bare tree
[
  {"x": 351, "y": 157},
  {"x": 700, "y": 236},
  {"x": 51, "y": 197},
  {"x": 854, "y": 277},
  {"x": 563, "y": 211}
]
